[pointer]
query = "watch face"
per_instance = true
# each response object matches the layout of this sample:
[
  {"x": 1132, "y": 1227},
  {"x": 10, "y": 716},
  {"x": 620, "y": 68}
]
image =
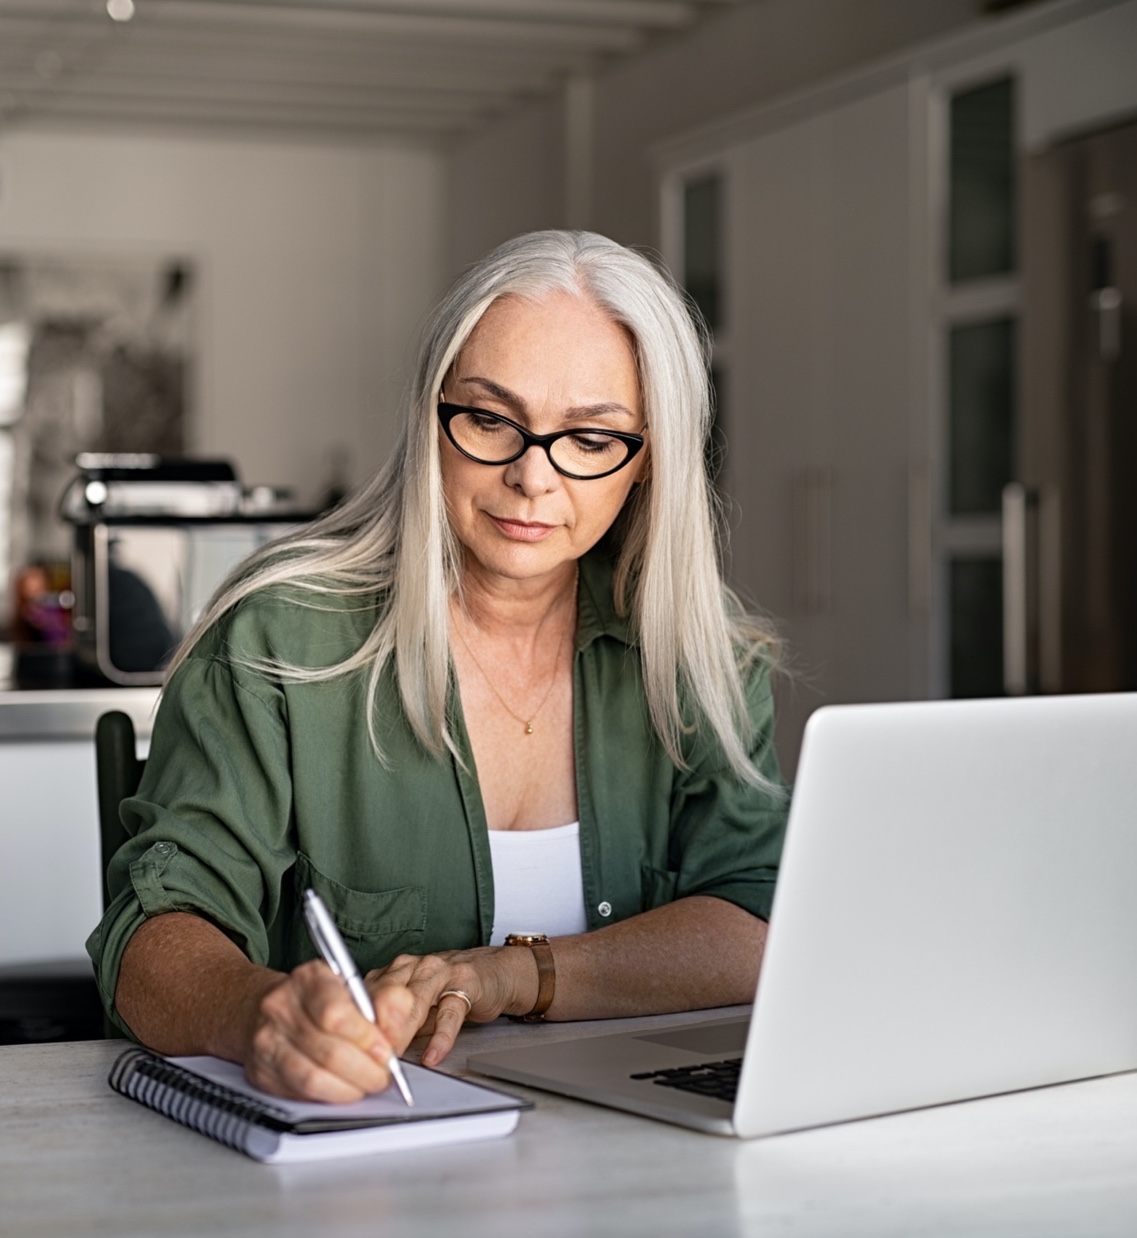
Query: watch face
[{"x": 525, "y": 939}]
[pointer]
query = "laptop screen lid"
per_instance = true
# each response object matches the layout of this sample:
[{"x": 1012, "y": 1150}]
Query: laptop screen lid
[{"x": 955, "y": 913}]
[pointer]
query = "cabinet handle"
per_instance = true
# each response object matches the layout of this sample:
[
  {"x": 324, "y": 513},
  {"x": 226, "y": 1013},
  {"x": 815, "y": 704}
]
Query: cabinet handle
[
  {"x": 1015, "y": 601},
  {"x": 1032, "y": 589},
  {"x": 1049, "y": 589}
]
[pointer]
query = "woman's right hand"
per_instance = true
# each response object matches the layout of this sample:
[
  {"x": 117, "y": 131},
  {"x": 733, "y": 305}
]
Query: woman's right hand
[
  {"x": 307, "y": 1039},
  {"x": 185, "y": 988}
]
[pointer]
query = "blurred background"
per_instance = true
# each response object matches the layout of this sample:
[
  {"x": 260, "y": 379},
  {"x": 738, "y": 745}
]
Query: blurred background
[{"x": 910, "y": 224}]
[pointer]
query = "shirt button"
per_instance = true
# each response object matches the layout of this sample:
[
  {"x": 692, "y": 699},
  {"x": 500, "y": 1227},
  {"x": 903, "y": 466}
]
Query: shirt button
[
  {"x": 164, "y": 848},
  {"x": 605, "y": 909}
]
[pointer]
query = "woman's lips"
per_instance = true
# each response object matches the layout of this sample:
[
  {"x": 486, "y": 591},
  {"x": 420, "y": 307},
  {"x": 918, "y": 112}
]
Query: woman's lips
[{"x": 522, "y": 531}]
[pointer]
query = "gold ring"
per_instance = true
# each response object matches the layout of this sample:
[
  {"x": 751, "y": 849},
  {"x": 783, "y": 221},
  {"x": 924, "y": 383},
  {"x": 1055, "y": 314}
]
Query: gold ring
[{"x": 457, "y": 993}]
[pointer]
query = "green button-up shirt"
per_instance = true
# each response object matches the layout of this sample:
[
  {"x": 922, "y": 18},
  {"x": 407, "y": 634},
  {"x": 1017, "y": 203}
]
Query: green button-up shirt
[{"x": 256, "y": 788}]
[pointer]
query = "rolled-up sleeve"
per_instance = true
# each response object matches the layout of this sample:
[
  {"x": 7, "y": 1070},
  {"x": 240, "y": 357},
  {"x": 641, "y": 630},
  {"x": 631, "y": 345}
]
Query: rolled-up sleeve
[
  {"x": 727, "y": 835},
  {"x": 210, "y": 823}
]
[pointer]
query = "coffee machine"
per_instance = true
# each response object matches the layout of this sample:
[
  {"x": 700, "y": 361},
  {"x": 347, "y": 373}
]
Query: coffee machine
[{"x": 153, "y": 540}]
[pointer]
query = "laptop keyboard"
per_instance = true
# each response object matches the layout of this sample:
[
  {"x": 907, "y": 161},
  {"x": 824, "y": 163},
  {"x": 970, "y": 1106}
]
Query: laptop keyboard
[{"x": 718, "y": 1079}]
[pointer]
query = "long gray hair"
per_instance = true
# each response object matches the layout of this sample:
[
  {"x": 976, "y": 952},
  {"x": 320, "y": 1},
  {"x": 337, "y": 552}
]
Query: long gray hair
[{"x": 393, "y": 537}]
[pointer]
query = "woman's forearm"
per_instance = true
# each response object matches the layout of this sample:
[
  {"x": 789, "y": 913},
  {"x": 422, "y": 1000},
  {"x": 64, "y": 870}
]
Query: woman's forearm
[
  {"x": 692, "y": 954},
  {"x": 185, "y": 988}
]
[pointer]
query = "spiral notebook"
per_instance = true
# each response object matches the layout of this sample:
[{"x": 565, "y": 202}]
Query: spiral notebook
[{"x": 213, "y": 1097}]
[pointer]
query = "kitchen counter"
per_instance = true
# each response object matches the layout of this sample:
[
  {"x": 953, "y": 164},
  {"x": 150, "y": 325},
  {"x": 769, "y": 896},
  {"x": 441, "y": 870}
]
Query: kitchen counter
[
  {"x": 71, "y": 713},
  {"x": 33, "y": 713}
]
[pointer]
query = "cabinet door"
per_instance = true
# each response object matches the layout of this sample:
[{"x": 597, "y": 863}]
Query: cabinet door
[
  {"x": 50, "y": 870},
  {"x": 819, "y": 420}
]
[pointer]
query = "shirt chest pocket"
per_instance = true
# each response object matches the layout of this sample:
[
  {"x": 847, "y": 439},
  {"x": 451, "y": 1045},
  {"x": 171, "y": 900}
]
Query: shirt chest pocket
[{"x": 376, "y": 924}]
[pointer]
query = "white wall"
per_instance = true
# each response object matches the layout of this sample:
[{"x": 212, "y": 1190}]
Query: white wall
[
  {"x": 510, "y": 177},
  {"x": 507, "y": 180},
  {"x": 316, "y": 264}
]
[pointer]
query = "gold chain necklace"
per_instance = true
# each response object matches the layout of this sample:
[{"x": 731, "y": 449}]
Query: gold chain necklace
[{"x": 527, "y": 723}]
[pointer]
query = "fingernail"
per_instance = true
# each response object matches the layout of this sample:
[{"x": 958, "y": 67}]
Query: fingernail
[{"x": 430, "y": 1057}]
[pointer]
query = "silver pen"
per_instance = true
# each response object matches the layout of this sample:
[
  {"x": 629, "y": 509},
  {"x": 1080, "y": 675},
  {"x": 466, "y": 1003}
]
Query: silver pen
[{"x": 335, "y": 953}]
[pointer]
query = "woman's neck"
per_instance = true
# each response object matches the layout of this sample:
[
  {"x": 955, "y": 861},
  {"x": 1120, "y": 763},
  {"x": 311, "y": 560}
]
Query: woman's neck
[{"x": 504, "y": 608}]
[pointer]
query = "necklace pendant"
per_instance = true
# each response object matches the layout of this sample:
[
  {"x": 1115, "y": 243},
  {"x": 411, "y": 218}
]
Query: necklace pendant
[{"x": 529, "y": 728}]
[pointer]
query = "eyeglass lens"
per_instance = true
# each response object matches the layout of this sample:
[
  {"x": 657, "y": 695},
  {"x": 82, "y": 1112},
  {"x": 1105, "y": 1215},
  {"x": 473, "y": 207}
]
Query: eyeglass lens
[{"x": 494, "y": 442}]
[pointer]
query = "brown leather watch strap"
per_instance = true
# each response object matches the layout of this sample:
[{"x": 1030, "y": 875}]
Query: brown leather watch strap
[{"x": 546, "y": 973}]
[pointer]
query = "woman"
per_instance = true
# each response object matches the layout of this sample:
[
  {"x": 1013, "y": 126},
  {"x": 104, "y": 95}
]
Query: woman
[{"x": 502, "y": 690}]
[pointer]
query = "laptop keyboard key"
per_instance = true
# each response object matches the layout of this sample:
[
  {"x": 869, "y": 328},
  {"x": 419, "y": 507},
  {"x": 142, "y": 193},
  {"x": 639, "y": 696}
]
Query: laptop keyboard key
[{"x": 718, "y": 1079}]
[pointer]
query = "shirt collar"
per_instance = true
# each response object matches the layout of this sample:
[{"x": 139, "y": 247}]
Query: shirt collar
[{"x": 596, "y": 606}]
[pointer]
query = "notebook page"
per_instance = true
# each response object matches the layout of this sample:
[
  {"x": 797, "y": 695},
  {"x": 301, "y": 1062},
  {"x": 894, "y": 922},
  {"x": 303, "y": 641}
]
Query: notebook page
[{"x": 436, "y": 1095}]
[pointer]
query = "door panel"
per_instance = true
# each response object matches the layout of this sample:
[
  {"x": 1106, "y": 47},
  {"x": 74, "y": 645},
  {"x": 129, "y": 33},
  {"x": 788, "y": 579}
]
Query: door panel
[{"x": 1079, "y": 427}]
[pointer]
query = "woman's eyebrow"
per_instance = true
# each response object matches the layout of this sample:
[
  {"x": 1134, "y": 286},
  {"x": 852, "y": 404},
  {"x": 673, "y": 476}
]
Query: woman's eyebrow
[
  {"x": 599, "y": 410},
  {"x": 514, "y": 401},
  {"x": 496, "y": 390}
]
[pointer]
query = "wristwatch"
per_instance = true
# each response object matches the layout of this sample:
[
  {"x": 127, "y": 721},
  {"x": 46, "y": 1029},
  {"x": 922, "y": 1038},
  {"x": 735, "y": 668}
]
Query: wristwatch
[{"x": 546, "y": 973}]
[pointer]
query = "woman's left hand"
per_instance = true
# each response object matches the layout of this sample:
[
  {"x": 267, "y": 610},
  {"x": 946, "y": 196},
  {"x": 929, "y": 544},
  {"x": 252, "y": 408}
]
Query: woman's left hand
[
  {"x": 697, "y": 952},
  {"x": 495, "y": 981}
]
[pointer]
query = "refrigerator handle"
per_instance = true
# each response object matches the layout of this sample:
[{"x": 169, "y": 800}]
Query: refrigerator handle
[
  {"x": 1032, "y": 589},
  {"x": 1106, "y": 305}
]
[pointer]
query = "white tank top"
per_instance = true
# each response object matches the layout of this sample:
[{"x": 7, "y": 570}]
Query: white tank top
[{"x": 538, "y": 885}]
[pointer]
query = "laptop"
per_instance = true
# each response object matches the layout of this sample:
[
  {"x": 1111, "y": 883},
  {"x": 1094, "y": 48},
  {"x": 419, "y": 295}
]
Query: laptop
[{"x": 955, "y": 917}]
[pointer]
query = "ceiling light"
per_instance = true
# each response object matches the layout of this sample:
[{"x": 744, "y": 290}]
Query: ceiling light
[{"x": 120, "y": 10}]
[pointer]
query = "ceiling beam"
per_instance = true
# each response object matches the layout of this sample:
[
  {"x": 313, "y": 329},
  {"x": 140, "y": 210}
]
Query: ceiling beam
[
  {"x": 189, "y": 93},
  {"x": 648, "y": 14},
  {"x": 173, "y": 15},
  {"x": 438, "y": 117},
  {"x": 273, "y": 74},
  {"x": 644, "y": 14},
  {"x": 27, "y": 40}
]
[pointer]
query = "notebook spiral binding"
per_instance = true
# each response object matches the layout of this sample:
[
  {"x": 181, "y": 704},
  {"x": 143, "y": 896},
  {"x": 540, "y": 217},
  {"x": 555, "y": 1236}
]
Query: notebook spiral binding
[{"x": 200, "y": 1104}]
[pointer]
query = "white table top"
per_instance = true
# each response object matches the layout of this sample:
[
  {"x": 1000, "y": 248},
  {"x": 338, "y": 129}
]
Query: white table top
[{"x": 77, "y": 1160}]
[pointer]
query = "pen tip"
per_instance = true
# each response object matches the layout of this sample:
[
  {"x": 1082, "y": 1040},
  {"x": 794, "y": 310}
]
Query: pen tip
[{"x": 401, "y": 1081}]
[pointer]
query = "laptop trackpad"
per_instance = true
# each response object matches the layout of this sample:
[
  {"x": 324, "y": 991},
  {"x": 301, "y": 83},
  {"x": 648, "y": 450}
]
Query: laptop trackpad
[{"x": 713, "y": 1039}]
